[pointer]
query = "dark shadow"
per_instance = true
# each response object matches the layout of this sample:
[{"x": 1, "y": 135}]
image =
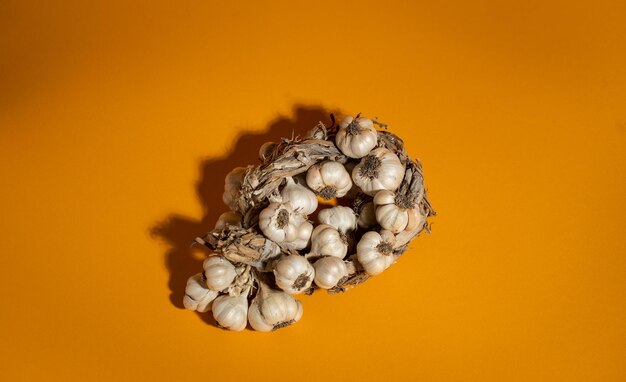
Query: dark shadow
[{"x": 179, "y": 231}]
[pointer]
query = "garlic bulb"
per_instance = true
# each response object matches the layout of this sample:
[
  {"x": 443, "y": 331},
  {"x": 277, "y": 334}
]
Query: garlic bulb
[
  {"x": 379, "y": 170},
  {"x": 327, "y": 241},
  {"x": 228, "y": 218},
  {"x": 219, "y": 273},
  {"x": 356, "y": 137},
  {"x": 301, "y": 198},
  {"x": 388, "y": 214},
  {"x": 367, "y": 215},
  {"x": 329, "y": 179},
  {"x": 231, "y": 312},
  {"x": 232, "y": 185},
  {"x": 272, "y": 310},
  {"x": 281, "y": 224},
  {"x": 197, "y": 296},
  {"x": 329, "y": 271},
  {"x": 266, "y": 150},
  {"x": 375, "y": 251},
  {"x": 293, "y": 273},
  {"x": 341, "y": 218}
]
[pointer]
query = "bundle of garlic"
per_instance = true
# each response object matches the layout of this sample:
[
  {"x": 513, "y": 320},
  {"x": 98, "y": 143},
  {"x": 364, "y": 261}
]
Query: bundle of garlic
[{"x": 266, "y": 249}]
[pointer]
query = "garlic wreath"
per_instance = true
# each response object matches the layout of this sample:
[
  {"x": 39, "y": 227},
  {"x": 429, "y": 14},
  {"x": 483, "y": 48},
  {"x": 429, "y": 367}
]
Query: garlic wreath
[
  {"x": 329, "y": 179},
  {"x": 293, "y": 273},
  {"x": 329, "y": 270},
  {"x": 379, "y": 170},
  {"x": 375, "y": 251},
  {"x": 231, "y": 312},
  {"x": 197, "y": 296},
  {"x": 218, "y": 272},
  {"x": 356, "y": 137},
  {"x": 271, "y": 310},
  {"x": 301, "y": 198},
  {"x": 281, "y": 224},
  {"x": 341, "y": 218},
  {"x": 327, "y": 241}
]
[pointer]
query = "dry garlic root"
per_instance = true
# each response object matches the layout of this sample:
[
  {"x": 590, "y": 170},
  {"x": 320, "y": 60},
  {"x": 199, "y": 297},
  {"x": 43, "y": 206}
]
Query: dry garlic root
[{"x": 266, "y": 248}]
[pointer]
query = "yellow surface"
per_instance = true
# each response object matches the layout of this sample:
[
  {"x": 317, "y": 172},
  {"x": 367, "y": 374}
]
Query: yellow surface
[{"x": 118, "y": 121}]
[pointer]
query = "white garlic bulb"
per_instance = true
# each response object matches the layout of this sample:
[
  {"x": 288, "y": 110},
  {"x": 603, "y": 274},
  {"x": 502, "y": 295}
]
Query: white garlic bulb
[
  {"x": 356, "y": 137},
  {"x": 328, "y": 241},
  {"x": 367, "y": 215},
  {"x": 228, "y": 218},
  {"x": 416, "y": 219},
  {"x": 231, "y": 312},
  {"x": 301, "y": 198},
  {"x": 218, "y": 272},
  {"x": 281, "y": 224},
  {"x": 329, "y": 179},
  {"x": 381, "y": 169},
  {"x": 271, "y": 310},
  {"x": 329, "y": 271},
  {"x": 341, "y": 218},
  {"x": 197, "y": 296},
  {"x": 293, "y": 273},
  {"x": 375, "y": 251},
  {"x": 232, "y": 186},
  {"x": 388, "y": 214}
]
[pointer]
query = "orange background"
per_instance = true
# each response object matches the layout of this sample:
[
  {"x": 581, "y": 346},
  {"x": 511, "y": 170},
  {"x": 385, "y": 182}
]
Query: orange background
[{"x": 118, "y": 121}]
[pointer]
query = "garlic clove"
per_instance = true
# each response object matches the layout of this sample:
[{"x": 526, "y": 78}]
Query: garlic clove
[
  {"x": 327, "y": 241},
  {"x": 392, "y": 217},
  {"x": 300, "y": 197},
  {"x": 416, "y": 219},
  {"x": 219, "y": 272},
  {"x": 197, "y": 296}
]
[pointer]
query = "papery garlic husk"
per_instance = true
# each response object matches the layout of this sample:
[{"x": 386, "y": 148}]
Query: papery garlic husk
[
  {"x": 341, "y": 218},
  {"x": 293, "y": 273},
  {"x": 381, "y": 169},
  {"x": 281, "y": 224},
  {"x": 356, "y": 137},
  {"x": 329, "y": 179},
  {"x": 228, "y": 218},
  {"x": 218, "y": 272},
  {"x": 231, "y": 312},
  {"x": 232, "y": 186},
  {"x": 329, "y": 271},
  {"x": 197, "y": 296},
  {"x": 388, "y": 214},
  {"x": 302, "y": 199},
  {"x": 328, "y": 241},
  {"x": 271, "y": 310},
  {"x": 375, "y": 251}
]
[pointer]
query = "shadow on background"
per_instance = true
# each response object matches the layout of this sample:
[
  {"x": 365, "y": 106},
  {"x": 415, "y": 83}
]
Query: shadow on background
[{"x": 179, "y": 231}]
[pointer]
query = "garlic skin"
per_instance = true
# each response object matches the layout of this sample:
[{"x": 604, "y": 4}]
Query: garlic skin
[
  {"x": 228, "y": 218},
  {"x": 301, "y": 198},
  {"x": 329, "y": 179},
  {"x": 281, "y": 224},
  {"x": 356, "y": 137},
  {"x": 416, "y": 219},
  {"x": 329, "y": 271},
  {"x": 381, "y": 169},
  {"x": 327, "y": 241},
  {"x": 232, "y": 186},
  {"x": 271, "y": 310},
  {"x": 231, "y": 312},
  {"x": 375, "y": 251},
  {"x": 197, "y": 296},
  {"x": 367, "y": 215},
  {"x": 218, "y": 272},
  {"x": 293, "y": 273},
  {"x": 341, "y": 218}
]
